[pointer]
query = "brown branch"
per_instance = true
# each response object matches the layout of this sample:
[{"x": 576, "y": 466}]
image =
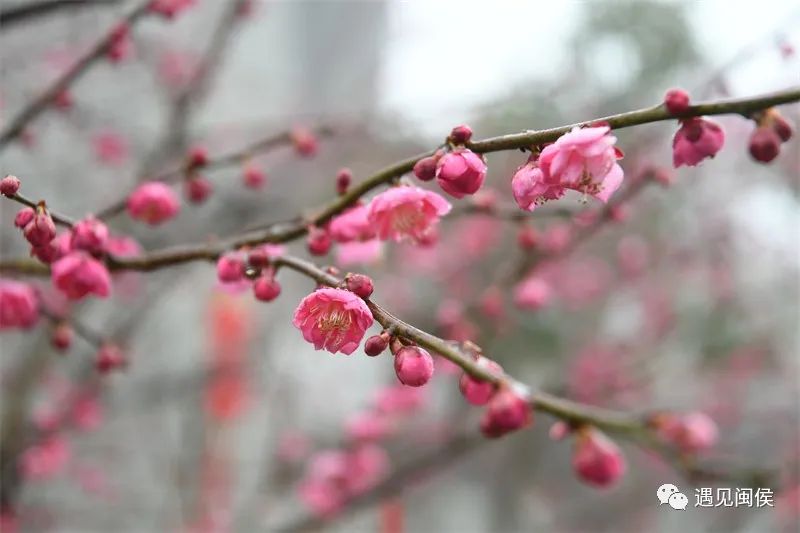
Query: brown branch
[
  {"x": 62, "y": 220},
  {"x": 24, "y": 12},
  {"x": 38, "y": 105}
]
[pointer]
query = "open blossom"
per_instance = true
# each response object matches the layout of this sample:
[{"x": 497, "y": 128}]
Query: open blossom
[
  {"x": 406, "y": 213},
  {"x": 78, "y": 274},
  {"x": 461, "y": 172},
  {"x": 696, "y": 140},
  {"x": 333, "y": 319},
  {"x": 19, "y": 306},
  {"x": 597, "y": 460},
  {"x": 153, "y": 202},
  {"x": 529, "y": 186},
  {"x": 584, "y": 160},
  {"x": 352, "y": 225}
]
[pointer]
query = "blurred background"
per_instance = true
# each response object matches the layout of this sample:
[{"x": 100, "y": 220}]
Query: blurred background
[{"x": 688, "y": 301}]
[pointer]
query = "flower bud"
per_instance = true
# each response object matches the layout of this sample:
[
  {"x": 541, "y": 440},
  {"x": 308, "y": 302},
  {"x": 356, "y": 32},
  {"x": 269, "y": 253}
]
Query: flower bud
[
  {"x": 676, "y": 101},
  {"x": 266, "y": 288},
  {"x": 230, "y": 268},
  {"x": 153, "y": 202},
  {"x": 764, "y": 144},
  {"x": 62, "y": 337},
  {"x": 596, "y": 459},
  {"x": 425, "y": 168},
  {"x": 506, "y": 411},
  {"x": 9, "y": 186},
  {"x": 376, "y": 344},
  {"x": 197, "y": 157},
  {"x": 305, "y": 142},
  {"x": 460, "y": 134},
  {"x": 477, "y": 391},
  {"x": 41, "y": 229},
  {"x": 198, "y": 189},
  {"x": 527, "y": 238},
  {"x": 319, "y": 241},
  {"x": 359, "y": 284},
  {"x": 461, "y": 172},
  {"x": 254, "y": 177},
  {"x": 24, "y": 216},
  {"x": 413, "y": 366},
  {"x": 343, "y": 179},
  {"x": 559, "y": 430},
  {"x": 782, "y": 127},
  {"x": 109, "y": 357},
  {"x": 90, "y": 235},
  {"x": 258, "y": 258}
]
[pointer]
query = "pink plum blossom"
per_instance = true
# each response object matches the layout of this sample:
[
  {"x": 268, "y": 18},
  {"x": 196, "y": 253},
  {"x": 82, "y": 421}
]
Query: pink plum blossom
[
  {"x": 696, "y": 140},
  {"x": 352, "y": 225},
  {"x": 596, "y": 459},
  {"x": 153, "y": 202},
  {"x": 78, "y": 274},
  {"x": 19, "y": 305},
  {"x": 333, "y": 319},
  {"x": 461, "y": 172},
  {"x": 406, "y": 213}
]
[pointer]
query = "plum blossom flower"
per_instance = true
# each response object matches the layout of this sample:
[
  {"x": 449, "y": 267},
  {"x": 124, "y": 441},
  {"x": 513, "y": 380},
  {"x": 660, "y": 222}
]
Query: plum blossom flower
[
  {"x": 153, "y": 202},
  {"x": 352, "y": 225},
  {"x": 406, "y": 213},
  {"x": 530, "y": 189},
  {"x": 359, "y": 253},
  {"x": 507, "y": 411},
  {"x": 461, "y": 172},
  {"x": 333, "y": 319},
  {"x": 696, "y": 140},
  {"x": 584, "y": 160},
  {"x": 78, "y": 274},
  {"x": 19, "y": 306},
  {"x": 691, "y": 432},
  {"x": 90, "y": 234}
]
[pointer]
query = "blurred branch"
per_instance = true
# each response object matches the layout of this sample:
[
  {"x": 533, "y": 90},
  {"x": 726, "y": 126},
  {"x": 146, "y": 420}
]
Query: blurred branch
[
  {"x": 62, "y": 220},
  {"x": 38, "y": 105},
  {"x": 233, "y": 158},
  {"x": 24, "y": 12}
]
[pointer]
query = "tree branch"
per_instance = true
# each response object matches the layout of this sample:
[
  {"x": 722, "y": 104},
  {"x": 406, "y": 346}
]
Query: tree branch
[{"x": 23, "y": 12}]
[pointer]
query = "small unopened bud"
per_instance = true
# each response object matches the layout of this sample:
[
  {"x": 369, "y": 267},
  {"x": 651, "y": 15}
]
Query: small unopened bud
[
  {"x": 676, "y": 101},
  {"x": 24, "y": 217},
  {"x": 527, "y": 238},
  {"x": 198, "y": 189},
  {"x": 109, "y": 357},
  {"x": 460, "y": 134},
  {"x": 9, "y": 186},
  {"x": 266, "y": 288},
  {"x": 782, "y": 127},
  {"x": 62, "y": 337},
  {"x": 425, "y": 168},
  {"x": 343, "y": 179},
  {"x": 765, "y": 144},
  {"x": 319, "y": 242},
  {"x": 507, "y": 411},
  {"x": 230, "y": 268},
  {"x": 258, "y": 259},
  {"x": 197, "y": 157},
  {"x": 413, "y": 366},
  {"x": 41, "y": 229},
  {"x": 359, "y": 284},
  {"x": 254, "y": 177},
  {"x": 376, "y": 344}
]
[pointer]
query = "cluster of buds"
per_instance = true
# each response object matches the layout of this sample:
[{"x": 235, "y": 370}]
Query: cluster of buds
[
  {"x": 772, "y": 130},
  {"x": 257, "y": 265},
  {"x": 459, "y": 172}
]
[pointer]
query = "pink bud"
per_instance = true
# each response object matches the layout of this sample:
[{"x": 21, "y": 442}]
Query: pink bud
[
  {"x": 62, "y": 337},
  {"x": 305, "y": 142},
  {"x": 359, "y": 284},
  {"x": 258, "y": 258},
  {"x": 477, "y": 391},
  {"x": 198, "y": 189},
  {"x": 197, "y": 157},
  {"x": 343, "y": 179},
  {"x": 596, "y": 459},
  {"x": 230, "y": 268},
  {"x": 691, "y": 433},
  {"x": 109, "y": 357},
  {"x": 413, "y": 366},
  {"x": 532, "y": 294},
  {"x": 153, "y": 202},
  {"x": 676, "y": 101},
  {"x": 41, "y": 229},
  {"x": 319, "y": 241},
  {"x": 24, "y": 217},
  {"x": 461, "y": 134},
  {"x": 765, "y": 144},
  {"x": 90, "y": 235},
  {"x": 507, "y": 411},
  {"x": 19, "y": 305},
  {"x": 254, "y": 177},
  {"x": 782, "y": 127},
  {"x": 266, "y": 288},
  {"x": 559, "y": 430},
  {"x": 696, "y": 140},
  {"x": 527, "y": 238},
  {"x": 425, "y": 168},
  {"x": 376, "y": 344},
  {"x": 461, "y": 172},
  {"x": 9, "y": 186}
]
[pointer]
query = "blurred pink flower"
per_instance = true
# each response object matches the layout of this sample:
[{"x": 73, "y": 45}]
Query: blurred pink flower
[
  {"x": 19, "y": 305},
  {"x": 78, "y": 274},
  {"x": 110, "y": 148},
  {"x": 696, "y": 140},
  {"x": 406, "y": 212},
  {"x": 597, "y": 460}
]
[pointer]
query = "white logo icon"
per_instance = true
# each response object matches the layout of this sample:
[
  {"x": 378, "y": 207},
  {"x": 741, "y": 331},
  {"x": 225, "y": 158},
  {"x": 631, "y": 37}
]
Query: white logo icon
[
  {"x": 669, "y": 494},
  {"x": 678, "y": 501}
]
